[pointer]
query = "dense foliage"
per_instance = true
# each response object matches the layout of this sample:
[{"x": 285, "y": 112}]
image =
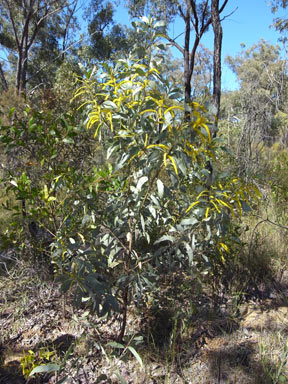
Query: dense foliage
[{"x": 157, "y": 203}]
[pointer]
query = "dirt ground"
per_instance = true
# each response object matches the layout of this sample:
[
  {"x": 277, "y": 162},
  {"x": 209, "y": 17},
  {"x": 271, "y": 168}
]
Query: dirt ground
[{"x": 250, "y": 346}]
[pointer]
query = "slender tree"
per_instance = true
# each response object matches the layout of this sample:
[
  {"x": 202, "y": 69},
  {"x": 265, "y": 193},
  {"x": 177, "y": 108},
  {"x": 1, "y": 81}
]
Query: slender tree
[
  {"x": 218, "y": 36},
  {"x": 197, "y": 17},
  {"x": 23, "y": 22}
]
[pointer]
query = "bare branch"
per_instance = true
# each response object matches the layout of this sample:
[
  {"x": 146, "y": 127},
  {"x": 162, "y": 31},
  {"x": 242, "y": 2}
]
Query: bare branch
[
  {"x": 230, "y": 14},
  {"x": 173, "y": 42},
  {"x": 223, "y": 6},
  {"x": 13, "y": 24},
  {"x": 195, "y": 15}
]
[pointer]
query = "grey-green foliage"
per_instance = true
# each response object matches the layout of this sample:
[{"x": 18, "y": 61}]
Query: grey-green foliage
[
  {"x": 280, "y": 23},
  {"x": 202, "y": 80},
  {"x": 160, "y": 213},
  {"x": 106, "y": 37},
  {"x": 163, "y": 10},
  {"x": 261, "y": 99},
  {"x": 35, "y": 29}
]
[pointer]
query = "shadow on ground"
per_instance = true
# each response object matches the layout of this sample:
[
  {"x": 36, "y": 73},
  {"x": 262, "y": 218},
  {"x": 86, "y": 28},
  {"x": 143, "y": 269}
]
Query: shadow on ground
[{"x": 236, "y": 363}]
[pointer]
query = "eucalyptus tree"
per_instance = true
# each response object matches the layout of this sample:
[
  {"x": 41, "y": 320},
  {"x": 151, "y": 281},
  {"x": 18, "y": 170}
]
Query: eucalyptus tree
[
  {"x": 21, "y": 25},
  {"x": 280, "y": 23},
  {"x": 197, "y": 16},
  {"x": 261, "y": 100},
  {"x": 107, "y": 38}
]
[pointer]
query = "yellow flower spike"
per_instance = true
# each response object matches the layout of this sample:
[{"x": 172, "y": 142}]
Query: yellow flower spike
[
  {"x": 192, "y": 205},
  {"x": 174, "y": 163},
  {"x": 146, "y": 140},
  {"x": 148, "y": 110},
  {"x": 226, "y": 204},
  {"x": 215, "y": 205},
  {"x": 208, "y": 132},
  {"x": 109, "y": 117},
  {"x": 239, "y": 206},
  {"x": 154, "y": 70},
  {"x": 225, "y": 247},
  {"x": 97, "y": 130},
  {"x": 221, "y": 254},
  {"x": 162, "y": 146},
  {"x": 165, "y": 159},
  {"x": 207, "y": 213},
  {"x": 174, "y": 107},
  {"x": 202, "y": 193}
]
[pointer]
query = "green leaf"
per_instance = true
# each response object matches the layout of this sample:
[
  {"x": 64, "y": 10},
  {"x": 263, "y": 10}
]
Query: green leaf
[
  {"x": 13, "y": 182},
  {"x": 189, "y": 253},
  {"x": 11, "y": 112},
  {"x": 45, "y": 192},
  {"x": 45, "y": 369},
  {"x": 165, "y": 238},
  {"x": 160, "y": 23},
  {"x": 68, "y": 140},
  {"x": 160, "y": 187},
  {"x": 109, "y": 105},
  {"x": 141, "y": 182},
  {"x": 189, "y": 221},
  {"x": 115, "y": 345},
  {"x": 142, "y": 223},
  {"x": 136, "y": 354},
  {"x": 144, "y": 19}
]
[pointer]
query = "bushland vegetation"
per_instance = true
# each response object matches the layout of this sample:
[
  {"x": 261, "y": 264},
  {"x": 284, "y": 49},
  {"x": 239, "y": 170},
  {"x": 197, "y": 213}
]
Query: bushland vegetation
[{"x": 143, "y": 229}]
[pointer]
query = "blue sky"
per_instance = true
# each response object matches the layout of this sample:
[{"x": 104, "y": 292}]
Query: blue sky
[{"x": 249, "y": 23}]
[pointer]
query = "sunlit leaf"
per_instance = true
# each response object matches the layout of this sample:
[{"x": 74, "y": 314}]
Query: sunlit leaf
[
  {"x": 160, "y": 187},
  {"x": 45, "y": 369}
]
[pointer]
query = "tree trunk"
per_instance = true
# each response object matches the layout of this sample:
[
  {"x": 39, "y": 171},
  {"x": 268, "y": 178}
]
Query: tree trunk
[
  {"x": 218, "y": 35},
  {"x": 18, "y": 72},
  {"x": 187, "y": 75},
  {"x": 3, "y": 80},
  {"x": 24, "y": 68}
]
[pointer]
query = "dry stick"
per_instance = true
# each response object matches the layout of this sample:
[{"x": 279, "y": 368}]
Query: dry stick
[
  {"x": 219, "y": 368},
  {"x": 126, "y": 289}
]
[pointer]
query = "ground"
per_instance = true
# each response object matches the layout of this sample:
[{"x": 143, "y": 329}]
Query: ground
[{"x": 230, "y": 342}]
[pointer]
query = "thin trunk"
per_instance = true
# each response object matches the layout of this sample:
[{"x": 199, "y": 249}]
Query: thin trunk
[
  {"x": 125, "y": 311},
  {"x": 3, "y": 80},
  {"x": 192, "y": 58},
  {"x": 187, "y": 75},
  {"x": 65, "y": 34},
  {"x": 218, "y": 35},
  {"x": 19, "y": 72},
  {"x": 24, "y": 69}
]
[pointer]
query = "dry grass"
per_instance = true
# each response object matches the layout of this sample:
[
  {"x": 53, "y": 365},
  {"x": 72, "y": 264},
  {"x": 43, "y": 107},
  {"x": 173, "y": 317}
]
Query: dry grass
[{"x": 207, "y": 346}]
